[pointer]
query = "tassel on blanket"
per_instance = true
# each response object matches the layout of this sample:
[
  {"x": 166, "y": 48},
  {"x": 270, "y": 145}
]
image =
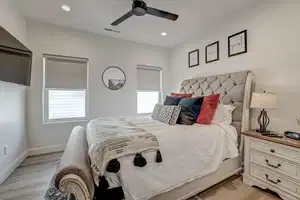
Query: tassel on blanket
[
  {"x": 158, "y": 156},
  {"x": 103, "y": 183},
  {"x": 113, "y": 166},
  {"x": 139, "y": 160}
]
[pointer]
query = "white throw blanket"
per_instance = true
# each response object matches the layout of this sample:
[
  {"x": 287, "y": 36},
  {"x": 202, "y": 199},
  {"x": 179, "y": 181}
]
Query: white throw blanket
[
  {"x": 113, "y": 138},
  {"x": 189, "y": 152}
]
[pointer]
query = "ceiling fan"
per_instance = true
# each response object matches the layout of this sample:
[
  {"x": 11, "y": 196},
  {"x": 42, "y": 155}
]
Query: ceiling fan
[{"x": 140, "y": 8}]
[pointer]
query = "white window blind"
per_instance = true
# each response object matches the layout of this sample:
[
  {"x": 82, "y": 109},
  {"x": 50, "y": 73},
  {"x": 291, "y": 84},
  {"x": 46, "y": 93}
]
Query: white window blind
[
  {"x": 149, "y": 78},
  {"x": 149, "y": 88},
  {"x": 65, "y": 89}
]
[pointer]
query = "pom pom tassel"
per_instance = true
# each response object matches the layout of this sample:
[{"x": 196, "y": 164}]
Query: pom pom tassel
[
  {"x": 139, "y": 160},
  {"x": 113, "y": 166},
  {"x": 103, "y": 183},
  {"x": 158, "y": 157}
]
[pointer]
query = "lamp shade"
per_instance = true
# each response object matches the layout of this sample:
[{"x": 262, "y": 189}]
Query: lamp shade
[{"x": 263, "y": 100}]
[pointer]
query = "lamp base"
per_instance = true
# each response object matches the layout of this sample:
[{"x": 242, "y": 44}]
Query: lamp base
[
  {"x": 263, "y": 121},
  {"x": 262, "y": 131}
]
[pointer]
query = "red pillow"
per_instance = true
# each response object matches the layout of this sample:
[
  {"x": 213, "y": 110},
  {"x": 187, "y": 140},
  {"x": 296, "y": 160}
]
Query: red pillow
[
  {"x": 208, "y": 109},
  {"x": 181, "y": 95}
]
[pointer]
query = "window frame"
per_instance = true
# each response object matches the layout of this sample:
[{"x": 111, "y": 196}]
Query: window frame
[{"x": 45, "y": 95}]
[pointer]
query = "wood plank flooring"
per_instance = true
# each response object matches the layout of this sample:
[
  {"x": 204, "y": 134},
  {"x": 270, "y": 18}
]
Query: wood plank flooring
[
  {"x": 31, "y": 179},
  {"x": 234, "y": 189}
]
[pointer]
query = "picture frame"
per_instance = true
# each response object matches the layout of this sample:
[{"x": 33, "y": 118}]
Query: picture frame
[
  {"x": 194, "y": 58},
  {"x": 212, "y": 52},
  {"x": 237, "y": 44}
]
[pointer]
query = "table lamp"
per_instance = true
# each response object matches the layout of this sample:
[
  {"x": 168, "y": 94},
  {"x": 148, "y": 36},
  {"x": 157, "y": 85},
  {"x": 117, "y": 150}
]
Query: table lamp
[{"x": 263, "y": 101}]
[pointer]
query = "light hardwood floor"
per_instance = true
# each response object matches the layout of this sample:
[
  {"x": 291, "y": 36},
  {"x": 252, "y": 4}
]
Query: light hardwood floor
[
  {"x": 31, "y": 179},
  {"x": 234, "y": 189}
]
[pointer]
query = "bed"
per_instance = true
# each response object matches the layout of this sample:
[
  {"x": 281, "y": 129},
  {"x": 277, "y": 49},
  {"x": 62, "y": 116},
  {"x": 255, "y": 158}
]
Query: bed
[{"x": 185, "y": 180}]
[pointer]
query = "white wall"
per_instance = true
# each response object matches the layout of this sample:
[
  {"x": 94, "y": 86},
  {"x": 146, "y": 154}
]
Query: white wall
[
  {"x": 12, "y": 97},
  {"x": 103, "y": 52},
  {"x": 273, "y": 41}
]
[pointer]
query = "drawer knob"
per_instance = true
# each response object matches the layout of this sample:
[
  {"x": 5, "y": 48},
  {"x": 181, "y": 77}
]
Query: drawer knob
[
  {"x": 272, "y": 151},
  {"x": 270, "y": 180},
  {"x": 267, "y": 161}
]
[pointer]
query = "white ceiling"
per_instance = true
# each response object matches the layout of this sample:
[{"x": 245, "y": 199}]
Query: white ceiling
[{"x": 95, "y": 15}]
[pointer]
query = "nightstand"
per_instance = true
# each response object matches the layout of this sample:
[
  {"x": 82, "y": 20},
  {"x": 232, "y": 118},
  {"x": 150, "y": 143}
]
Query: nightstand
[{"x": 272, "y": 163}]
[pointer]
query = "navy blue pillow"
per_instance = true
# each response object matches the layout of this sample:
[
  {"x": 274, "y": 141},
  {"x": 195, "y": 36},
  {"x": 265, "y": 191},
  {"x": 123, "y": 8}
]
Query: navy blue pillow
[
  {"x": 186, "y": 116},
  {"x": 172, "y": 101},
  {"x": 191, "y": 105}
]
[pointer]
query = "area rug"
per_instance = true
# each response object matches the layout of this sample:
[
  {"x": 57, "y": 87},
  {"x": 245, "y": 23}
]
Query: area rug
[{"x": 53, "y": 193}]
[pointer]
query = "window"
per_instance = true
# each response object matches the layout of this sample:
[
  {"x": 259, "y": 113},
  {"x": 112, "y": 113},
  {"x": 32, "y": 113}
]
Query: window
[
  {"x": 149, "y": 88},
  {"x": 65, "y": 91},
  {"x": 147, "y": 101},
  {"x": 66, "y": 104}
]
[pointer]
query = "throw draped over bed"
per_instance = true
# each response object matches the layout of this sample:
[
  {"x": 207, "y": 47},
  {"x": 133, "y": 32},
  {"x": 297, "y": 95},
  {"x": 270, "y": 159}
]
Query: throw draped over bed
[{"x": 234, "y": 89}]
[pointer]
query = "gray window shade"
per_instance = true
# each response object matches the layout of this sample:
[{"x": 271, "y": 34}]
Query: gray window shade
[
  {"x": 149, "y": 78},
  {"x": 65, "y": 72}
]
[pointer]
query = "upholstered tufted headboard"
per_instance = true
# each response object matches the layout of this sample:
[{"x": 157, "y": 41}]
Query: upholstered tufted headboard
[{"x": 234, "y": 88}]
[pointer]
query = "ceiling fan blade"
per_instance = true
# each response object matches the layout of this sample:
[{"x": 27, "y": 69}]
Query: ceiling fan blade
[
  {"x": 121, "y": 19},
  {"x": 162, "y": 14}
]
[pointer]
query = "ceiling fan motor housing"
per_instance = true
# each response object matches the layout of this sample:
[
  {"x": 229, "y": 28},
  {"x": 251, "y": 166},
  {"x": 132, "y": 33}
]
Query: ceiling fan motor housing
[{"x": 139, "y": 8}]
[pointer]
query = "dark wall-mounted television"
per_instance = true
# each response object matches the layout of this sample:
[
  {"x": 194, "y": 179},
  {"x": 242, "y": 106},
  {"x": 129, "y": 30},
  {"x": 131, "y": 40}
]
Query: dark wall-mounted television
[{"x": 15, "y": 60}]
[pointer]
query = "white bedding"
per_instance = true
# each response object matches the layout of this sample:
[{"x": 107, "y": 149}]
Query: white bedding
[{"x": 189, "y": 153}]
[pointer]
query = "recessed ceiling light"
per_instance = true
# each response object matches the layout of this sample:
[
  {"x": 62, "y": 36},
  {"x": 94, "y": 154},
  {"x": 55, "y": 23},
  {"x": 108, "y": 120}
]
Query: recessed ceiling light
[
  {"x": 66, "y": 8},
  {"x": 163, "y": 33}
]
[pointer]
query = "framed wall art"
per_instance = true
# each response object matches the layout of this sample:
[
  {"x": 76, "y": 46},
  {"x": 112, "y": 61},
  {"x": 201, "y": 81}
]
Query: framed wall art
[
  {"x": 212, "y": 52},
  {"x": 194, "y": 58},
  {"x": 237, "y": 43}
]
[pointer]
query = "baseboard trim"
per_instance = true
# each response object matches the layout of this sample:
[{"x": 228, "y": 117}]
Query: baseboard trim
[
  {"x": 29, "y": 152},
  {"x": 4, "y": 175},
  {"x": 45, "y": 150}
]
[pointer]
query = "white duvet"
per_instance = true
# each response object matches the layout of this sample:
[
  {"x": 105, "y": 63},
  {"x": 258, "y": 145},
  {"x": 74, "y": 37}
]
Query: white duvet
[{"x": 189, "y": 152}]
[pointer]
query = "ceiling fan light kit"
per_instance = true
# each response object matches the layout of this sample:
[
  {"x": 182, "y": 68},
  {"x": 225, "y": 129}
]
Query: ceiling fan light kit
[{"x": 140, "y": 8}]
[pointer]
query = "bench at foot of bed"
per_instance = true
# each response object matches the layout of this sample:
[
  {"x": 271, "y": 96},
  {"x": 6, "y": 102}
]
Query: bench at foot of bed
[{"x": 74, "y": 174}]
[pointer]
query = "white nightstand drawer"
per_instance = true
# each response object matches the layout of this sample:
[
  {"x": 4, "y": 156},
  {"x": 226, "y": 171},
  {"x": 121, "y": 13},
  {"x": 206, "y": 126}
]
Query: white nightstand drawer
[
  {"x": 274, "y": 179},
  {"x": 276, "y": 149},
  {"x": 277, "y": 164}
]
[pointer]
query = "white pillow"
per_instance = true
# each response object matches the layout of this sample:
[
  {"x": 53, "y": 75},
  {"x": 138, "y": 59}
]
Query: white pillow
[{"x": 223, "y": 114}]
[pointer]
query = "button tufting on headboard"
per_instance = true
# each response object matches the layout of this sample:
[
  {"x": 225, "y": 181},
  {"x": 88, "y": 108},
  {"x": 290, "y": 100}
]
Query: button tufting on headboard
[{"x": 230, "y": 86}]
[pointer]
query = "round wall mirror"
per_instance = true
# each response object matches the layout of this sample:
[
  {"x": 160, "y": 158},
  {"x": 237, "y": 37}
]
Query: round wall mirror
[{"x": 114, "y": 78}]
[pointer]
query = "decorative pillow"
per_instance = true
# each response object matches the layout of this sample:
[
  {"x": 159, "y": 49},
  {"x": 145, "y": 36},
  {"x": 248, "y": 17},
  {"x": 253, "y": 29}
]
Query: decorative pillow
[
  {"x": 186, "y": 116},
  {"x": 223, "y": 114},
  {"x": 169, "y": 114},
  {"x": 181, "y": 95},
  {"x": 192, "y": 106},
  {"x": 175, "y": 115},
  {"x": 208, "y": 109},
  {"x": 156, "y": 111},
  {"x": 172, "y": 100}
]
